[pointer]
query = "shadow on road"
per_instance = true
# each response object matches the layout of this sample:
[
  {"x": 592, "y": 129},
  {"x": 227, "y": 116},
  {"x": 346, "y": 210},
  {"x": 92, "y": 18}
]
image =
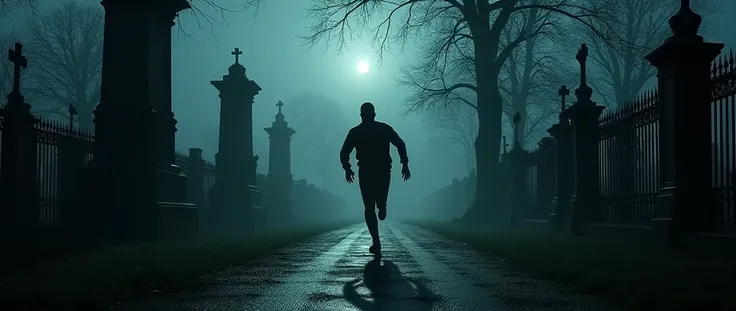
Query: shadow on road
[{"x": 388, "y": 289}]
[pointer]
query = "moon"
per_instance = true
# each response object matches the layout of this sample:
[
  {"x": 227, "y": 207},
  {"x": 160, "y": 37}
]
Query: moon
[{"x": 362, "y": 67}]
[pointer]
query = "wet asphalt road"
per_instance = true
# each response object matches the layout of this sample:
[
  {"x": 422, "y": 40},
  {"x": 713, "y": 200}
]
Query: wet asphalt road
[{"x": 419, "y": 270}]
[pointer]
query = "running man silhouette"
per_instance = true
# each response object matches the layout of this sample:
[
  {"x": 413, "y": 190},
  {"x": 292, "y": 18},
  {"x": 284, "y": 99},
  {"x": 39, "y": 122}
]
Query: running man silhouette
[{"x": 371, "y": 141}]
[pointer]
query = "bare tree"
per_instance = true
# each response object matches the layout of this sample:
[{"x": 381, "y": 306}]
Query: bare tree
[
  {"x": 528, "y": 84},
  {"x": 477, "y": 25},
  {"x": 532, "y": 74},
  {"x": 213, "y": 11},
  {"x": 7, "y": 6},
  {"x": 321, "y": 126},
  {"x": 641, "y": 26},
  {"x": 65, "y": 48},
  {"x": 457, "y": 125}
]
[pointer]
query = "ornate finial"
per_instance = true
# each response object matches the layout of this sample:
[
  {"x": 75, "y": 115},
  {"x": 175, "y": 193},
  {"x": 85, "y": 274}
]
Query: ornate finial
[
  {"x": 280, "y": 116},
  {"x": 72, "y": 112},
  {"x": 237, "y": 52},
  {"x": 584, "y": 92},
  {"x": 563, "y": 92},
  {"x": 685, "y": 22},
  {"x": 582, "y": 58},
  {"x": 19, "y": 61},
  {"x": 517, "y": 119}
]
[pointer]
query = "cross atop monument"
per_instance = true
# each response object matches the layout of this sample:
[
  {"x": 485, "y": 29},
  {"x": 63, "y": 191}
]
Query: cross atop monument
[
  {"x": 237, "y": 52},
  {"x": 19, "y": 61},
  {"x": 517, "y": 119},
  {"x": 563, "y": 92},
  {"x": 583, "y": 92},
  {"x": 582, "y": 58},
  {"x": 72, "y": 112},
  {"x": 279, "y": 104}
]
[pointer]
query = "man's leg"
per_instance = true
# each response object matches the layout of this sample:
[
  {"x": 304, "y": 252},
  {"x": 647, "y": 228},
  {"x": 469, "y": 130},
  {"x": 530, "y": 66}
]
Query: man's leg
[
  {"x": 367, "y": 191},
  {"x": 383, "y": 183}
]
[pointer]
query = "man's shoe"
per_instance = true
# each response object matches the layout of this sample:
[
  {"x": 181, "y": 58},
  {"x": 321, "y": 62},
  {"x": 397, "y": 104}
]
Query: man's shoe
[
  {"x": 375, "y": 249},
  {"x": 382, "y": 213}
]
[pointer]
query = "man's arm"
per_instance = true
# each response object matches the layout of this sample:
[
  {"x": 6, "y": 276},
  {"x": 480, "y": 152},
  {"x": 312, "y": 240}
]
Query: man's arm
[
  {"x": 347, "y": 149},
  {"x": 399, "y": 144}
]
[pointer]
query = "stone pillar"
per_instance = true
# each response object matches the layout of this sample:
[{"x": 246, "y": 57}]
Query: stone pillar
[
  {"x": 584, "y": 115},
  {"x": 71, "y": 157},
  {"x": 279, "y": 171},
  {"x": 686, "y": 203},
  {"x": 562, "y": 134},
  {"x": 235, "y": 162},
  {"x": 131, "y": 193},
  {"x": 19, "y": 212},
  {"x": 545, "y": 177},
  {"x": 161, "y": 21},
  {"x": 519, "y": 197},
  {"x": 194, "y": 167},
  {"x": 171, "y": 183},
  {"x": 124, "y": 122}
]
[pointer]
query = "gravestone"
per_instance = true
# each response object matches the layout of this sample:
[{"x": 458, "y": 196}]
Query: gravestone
[
  {"x": 279, "y": 199},
  {"x": 235, "y": 177}
]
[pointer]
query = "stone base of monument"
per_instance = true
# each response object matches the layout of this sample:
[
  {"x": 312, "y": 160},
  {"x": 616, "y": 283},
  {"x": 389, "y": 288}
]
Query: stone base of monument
[
  {"x": 259, "y": 212},
  {"x": 177, "y": 217},
  {"x": 178, "y": 220},
  {"x": 259, "y": 218},
  {"x": 134, "y": 210},
  {"x": 171, "y": 185}
]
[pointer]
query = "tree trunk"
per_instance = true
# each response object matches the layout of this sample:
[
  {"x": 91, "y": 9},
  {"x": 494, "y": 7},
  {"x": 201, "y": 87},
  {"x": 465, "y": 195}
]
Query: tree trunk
[
  {"x": 84, "y": 118},
  {"x": 470, "y": 161},
  {"x": 486, "y": 40},
  {"x": 486, "y": 205}
]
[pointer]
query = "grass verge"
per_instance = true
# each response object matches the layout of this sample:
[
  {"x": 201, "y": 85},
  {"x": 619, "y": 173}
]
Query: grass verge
[
  {"x": 633, "y": 276},
  {"x": 98, "y": 279}
]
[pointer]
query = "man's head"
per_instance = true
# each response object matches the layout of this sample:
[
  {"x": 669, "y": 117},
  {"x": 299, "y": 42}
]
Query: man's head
[{"x": 367, "y": 112}]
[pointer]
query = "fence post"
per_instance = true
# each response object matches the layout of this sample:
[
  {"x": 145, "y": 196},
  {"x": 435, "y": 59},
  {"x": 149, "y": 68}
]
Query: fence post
[
  {"x": 19, "y": 213},
  {"x": 71, "y": 163},
  {"x": 584, "y": 115},
  {"x": 546, "y": 177},
  {"x": 518, "y": 177},
  {"x": 562, "y": 133},
  {"x": 686, "y": 202},
  {"x": 194, "y": 169}
]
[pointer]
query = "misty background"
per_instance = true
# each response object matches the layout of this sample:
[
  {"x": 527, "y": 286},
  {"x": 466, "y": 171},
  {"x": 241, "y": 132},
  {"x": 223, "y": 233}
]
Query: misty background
[{"x": 320, "y": 88}]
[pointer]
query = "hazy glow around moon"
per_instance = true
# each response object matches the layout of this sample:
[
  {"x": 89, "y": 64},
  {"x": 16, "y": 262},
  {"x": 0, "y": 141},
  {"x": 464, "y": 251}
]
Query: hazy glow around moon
[{"x": 362, "y": 67}]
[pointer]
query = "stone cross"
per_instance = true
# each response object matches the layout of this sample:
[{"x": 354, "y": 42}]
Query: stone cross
[
  {"x": 72, "y": 112},
  {"x": 582, "y": 58},
  {"x": 584, "y": 92},
  {"x": 279, "y": 104},
  {"x": 237, "y": 52},
  {"x": 563, "y": 92},
  {"x": 16, "y": 57},
  {"x": 517, "y": 118}
]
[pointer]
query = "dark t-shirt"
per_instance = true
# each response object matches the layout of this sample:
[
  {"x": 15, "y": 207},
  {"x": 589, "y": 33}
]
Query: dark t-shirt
[{"x": 371, "y": 141}]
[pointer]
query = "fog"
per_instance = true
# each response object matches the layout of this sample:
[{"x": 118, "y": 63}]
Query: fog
[{"x": 322, "y": 92}]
